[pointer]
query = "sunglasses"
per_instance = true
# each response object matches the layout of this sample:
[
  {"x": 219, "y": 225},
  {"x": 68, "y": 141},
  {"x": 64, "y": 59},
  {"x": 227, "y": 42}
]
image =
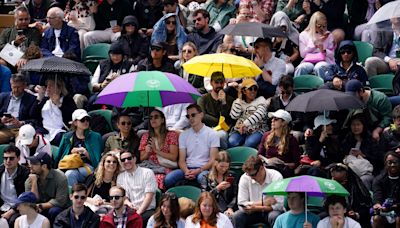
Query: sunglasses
[
  {"x": 155, "y": 117},
  {"x": 129, "y": 24},
  {"x": 9, "y": 158},
  {"x": 79, "y": 197},
  {"x": 253, "y": 88},
  {"x": 276, "y": 119},
  {"x": 286, "y": 92},
  {"x": 253, "y": 174},
  {"x": 123, "y": 123},
  {"x": 392, "y": 163},
  {"x": 191, "y": 115},
  {"x": 170, "y": 22},
  {"x": 187, "y": 51},
  {"x": 349, "y": 52},
  {"x": 115, "y": 197},
  {"x": 128, "y": 158},
  {"x": 109, "y": 162},
  {"x": 197, "y": 19},
  {"x": 154, "y": 48},
  {"x": 83, "y": 120}
]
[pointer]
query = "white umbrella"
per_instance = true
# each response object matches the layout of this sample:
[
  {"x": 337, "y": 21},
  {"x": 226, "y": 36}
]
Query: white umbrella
[{"x": 386, "y": 12}]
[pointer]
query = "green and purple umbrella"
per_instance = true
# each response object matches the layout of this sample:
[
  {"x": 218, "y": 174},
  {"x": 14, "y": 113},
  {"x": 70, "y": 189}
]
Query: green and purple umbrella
[{"x": 147, "y": 89}]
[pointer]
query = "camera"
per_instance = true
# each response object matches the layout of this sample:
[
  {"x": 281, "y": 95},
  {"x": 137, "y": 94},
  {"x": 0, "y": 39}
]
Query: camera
[{"x": 387, "y": 210}]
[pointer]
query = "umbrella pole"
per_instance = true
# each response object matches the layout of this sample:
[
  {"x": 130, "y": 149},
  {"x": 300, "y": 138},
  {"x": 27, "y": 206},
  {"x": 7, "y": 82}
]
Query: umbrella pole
[
  {"x": 305, "y": 206},
  {"x": 252, "y": 52}
]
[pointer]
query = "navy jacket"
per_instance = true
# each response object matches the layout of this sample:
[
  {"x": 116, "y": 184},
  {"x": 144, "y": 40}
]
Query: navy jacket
[
  {"x": 27, "y": 101},
  {"x": 69, "y": 41}
]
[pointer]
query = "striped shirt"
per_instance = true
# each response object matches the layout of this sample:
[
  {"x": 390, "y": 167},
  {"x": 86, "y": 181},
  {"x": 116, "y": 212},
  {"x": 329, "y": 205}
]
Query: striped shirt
[{"x": 137, "y": 184}]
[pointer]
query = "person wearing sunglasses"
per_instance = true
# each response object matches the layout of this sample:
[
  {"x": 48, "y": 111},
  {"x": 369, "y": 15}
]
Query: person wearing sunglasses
[
  {"x": 140, "y": 184},
  {"x": 100, "y": 183},
  {"x": 78, "y": 215},
  {"x": 122, "y": 215},
  {"x": 250, "y": 112},
  {"x": 30, "y": 142},
  {"x": 26, "y": 205},
  {"x": 83, "y": 141},
  {"x": 168, "y": 29},
  {"x": 14, "y": 176},
  {"x": 160, "y": 146},
  {"x": 253, "y": 207},
  {"x": 158, "y": 59},
  {"x": 167, "y": 213}
]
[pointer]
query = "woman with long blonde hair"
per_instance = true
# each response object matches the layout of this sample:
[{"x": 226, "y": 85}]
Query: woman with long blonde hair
[
  {"x": 206, "y": 214},
  {"x": 317, "y": 47},
  {"x": 279, "y": 145}
]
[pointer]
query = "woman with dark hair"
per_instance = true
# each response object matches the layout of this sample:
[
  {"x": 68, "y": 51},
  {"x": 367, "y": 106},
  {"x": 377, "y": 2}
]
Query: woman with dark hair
[
  {"x": 134, "y": 45},
  {"x": 167, "y": 213},
  {"x": 169, "y": 30},
  {"x": 206, "y": 214},
  {"x": 160, "y": 146}
]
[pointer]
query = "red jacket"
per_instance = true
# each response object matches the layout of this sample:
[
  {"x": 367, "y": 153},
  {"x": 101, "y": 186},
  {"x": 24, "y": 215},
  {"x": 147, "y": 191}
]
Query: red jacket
[{"x": 134, "y": 220}]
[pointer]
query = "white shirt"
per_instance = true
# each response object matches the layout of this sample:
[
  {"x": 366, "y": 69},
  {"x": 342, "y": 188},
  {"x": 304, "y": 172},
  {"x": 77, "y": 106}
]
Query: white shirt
[
  {"x": 198, "y": 145},
  {"x": 52, "y": 119},
  {"x": 57, "y": 50},
  {"x": 8, "y": 192},
  {"x": 278, "y": 68},
  {"x": 251, "y": 191},
  {"x": 43, "y": 146},
  {"x": 175, "y": 116},
  {"x": 137, "y": 184},
  {"x": 348, "y": 223}
]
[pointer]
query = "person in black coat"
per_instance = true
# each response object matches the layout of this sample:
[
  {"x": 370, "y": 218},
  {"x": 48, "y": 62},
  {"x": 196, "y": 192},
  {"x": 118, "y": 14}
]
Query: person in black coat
[{"x": 158, "y": 60}]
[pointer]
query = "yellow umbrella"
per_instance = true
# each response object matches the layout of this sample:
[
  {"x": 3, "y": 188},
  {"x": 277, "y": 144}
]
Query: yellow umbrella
[{"x": 231, "y": 65}]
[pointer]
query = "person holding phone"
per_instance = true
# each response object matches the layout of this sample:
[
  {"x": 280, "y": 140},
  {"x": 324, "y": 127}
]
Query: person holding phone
[{"x": 222, "y": 184}]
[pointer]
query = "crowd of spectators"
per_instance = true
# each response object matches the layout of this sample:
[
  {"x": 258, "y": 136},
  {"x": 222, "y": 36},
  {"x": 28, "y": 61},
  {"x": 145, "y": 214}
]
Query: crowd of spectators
[{"x": 63, "y": 169}]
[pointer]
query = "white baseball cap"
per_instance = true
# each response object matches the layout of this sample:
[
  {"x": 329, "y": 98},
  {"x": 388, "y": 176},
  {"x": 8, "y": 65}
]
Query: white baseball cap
[
  {"x": 322, "y": 120},
  {"x": 282, "y": 114},
  {"x": 26, "y": 134},
  {"x": 79, "y": 114}
]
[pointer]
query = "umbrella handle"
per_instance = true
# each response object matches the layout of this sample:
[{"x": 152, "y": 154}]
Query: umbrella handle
[{"x": 305, "y": 206}]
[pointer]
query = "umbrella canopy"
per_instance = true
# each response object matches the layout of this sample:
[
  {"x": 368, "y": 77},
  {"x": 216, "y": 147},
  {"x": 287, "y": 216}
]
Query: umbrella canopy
[
  {"x": 386, "y": 12},
  {"x": 323, "y": 100},
  {"x": 56, "y": 65},
  {"x": 313, "y": 186},
  {"x": 255, "y": 29},
  {"x": 231, "y": 65},
  {"x": 147, "y": 89}
]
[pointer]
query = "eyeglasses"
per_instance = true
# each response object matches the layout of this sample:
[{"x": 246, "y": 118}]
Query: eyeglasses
[
  {"x": 253, "y": 88},
  {"x": 123, "y": 123},
  {"x": 253, "y": 174},
  {"x": 154, "y": 48},
  {"x": 187, "y": 51},
  {"x": 79, "y": 197},
  {"x": 390, "y": 162},
  {"x": 283, "y": 92},
  {"x": 83, "y": 120},
  {"x": 113, "y": 162},
  {"x": 349, "y": 52},
  {"x": 321, "y": 26},
  {"x": 191, "y": 115},
  {"x": 115, "y": 197},
  {"x": 170, "y": 22},
  {"x": 128, "y": 158},
  {"x": 9, "y": 158},
  {"x": 197, "y": 19},
  {"x": 156, "y": 117}
]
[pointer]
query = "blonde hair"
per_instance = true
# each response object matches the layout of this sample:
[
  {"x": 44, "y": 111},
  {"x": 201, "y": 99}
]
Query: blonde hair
[
  {"x": 190, "y": 44},
  {"x": 100, "y": 170},
  {"x": 198, "y": 216},
  {"x": 283, "y": 144},
  {"x": 317, "y": 16},
  {"x": 222, "y": 156}
]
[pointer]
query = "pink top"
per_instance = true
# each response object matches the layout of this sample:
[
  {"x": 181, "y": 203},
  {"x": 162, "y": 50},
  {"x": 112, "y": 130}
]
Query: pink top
[
  {"x": 308, "y": 46},
  {"x": 170, "y": 139}
]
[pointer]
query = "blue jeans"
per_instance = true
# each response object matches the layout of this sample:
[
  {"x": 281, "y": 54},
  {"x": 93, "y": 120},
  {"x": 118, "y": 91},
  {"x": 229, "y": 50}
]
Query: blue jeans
[
  {"x": 308, "y": 68},
  {"x": 178, "y": 175},
  {"x": 236, "y": 139},
  {"x": 241, "y": 219},
  {"x": 395, "y": 100},
  {"x": 77, "y": 175}
]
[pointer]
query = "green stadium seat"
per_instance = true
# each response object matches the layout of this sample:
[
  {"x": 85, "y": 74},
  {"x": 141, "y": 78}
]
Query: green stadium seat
[
  {"x": 187, "y": 191},
  {"x": 307, "y": 83},
  {"x": 364, "y": 50},
  {"x": 383, "y": 83}
]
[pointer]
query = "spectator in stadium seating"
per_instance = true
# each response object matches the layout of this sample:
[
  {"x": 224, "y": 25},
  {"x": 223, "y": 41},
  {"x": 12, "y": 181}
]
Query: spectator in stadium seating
[
  {"x": 159, "y": 146},
  {"x": 253, "y": 208},
  {"x": 29, "y": 212},
  {"x": 15, "y": 37},
  {"x": 167, "y": 213},
  {"x": 207, "y": 213},
  {"x": 317, "y": 47},
  {"x": 279, "y": 145},
  {"x": 122, "y": 215},
  {"x": 169, "y": 30},
  {"x": 148, "y": 12},
  {"x": 78, "y": 215},
  {"x": 135, "y": 46},
  {"x": 250, "y": 112},
  {"x": 391, "y": 135},
  {"x": 174, "y": 6},
  {"x": 14, "y": 176},
  {"x": 60, "y": 38},
  {"x": 53, "y": 112},
  {"x": 141, "y": 186},
  {"x": 336, "y": 206},
  {"x": 100, "y": 183},
  {"x": 175, "y": 117},
  {"x": 50, "y": 186},
  {"x": 38, "y": 11},
  {"x": 198, "y": 147},
  {"x": 16, "y": 104},
  {"x": 385, "y": 58},
  {"x": 83, "y": 141},
  {"x": 293, "y": 9},
  {"x": 221, "y": 11},
  {"x": 273, "y": 68},
  {"x": 158, "y": 59},
  {"x": 108, "y": 19},
  {"x": 262, "y": 9},
  {"x": 205, "y": 38},
  {"x": 29, "y": 142}
]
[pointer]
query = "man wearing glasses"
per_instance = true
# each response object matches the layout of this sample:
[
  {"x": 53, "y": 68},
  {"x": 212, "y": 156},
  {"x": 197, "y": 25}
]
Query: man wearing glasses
[
  {"x": 78, "y": 215},
  {"x": 198, "y": 147},
  {"x": 12, "y": 176},
  {"x": 121, "y": 216},
  {"x": 140, "y": 184},
  {"x": 253, "y": 208}
]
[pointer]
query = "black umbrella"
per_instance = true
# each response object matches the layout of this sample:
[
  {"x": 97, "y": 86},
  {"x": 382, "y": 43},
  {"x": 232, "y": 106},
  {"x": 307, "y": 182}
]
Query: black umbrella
[
  {"x": 323, "y": 100},
  {"x": 254, "y": 29},
  {"x": 56, "y": 65}
]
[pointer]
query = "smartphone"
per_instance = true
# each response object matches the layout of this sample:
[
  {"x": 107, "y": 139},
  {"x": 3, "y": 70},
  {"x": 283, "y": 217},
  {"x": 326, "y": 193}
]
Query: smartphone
[
  {"x": 230, "y": 179},
  {"x": 8, "y": 115},
  {"x": 20, "y": 32}
]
